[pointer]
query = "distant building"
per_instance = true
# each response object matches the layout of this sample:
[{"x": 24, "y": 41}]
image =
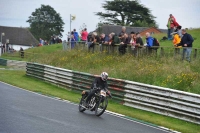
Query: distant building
[
  {"x": 18, "y": 36},
  {"x": 107, "y": 29}
]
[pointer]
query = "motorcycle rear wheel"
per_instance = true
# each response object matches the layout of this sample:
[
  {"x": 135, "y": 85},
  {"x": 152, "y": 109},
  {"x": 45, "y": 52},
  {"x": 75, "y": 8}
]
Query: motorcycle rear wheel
[{"x": 101, "y": 107}]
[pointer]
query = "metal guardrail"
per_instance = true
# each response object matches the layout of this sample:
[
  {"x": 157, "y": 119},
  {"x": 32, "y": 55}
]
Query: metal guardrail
[
  {"x": 177, "y": 104},
  {"x": 77, "y": 81}
]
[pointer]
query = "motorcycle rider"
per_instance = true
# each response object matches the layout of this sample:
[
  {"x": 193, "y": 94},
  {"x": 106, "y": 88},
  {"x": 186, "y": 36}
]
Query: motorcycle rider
[{"x": 99, "y": 82}]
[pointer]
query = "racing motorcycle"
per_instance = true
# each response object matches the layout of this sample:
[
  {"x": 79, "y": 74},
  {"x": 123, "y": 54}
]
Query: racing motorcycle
[{"x": 98, "y": 102}]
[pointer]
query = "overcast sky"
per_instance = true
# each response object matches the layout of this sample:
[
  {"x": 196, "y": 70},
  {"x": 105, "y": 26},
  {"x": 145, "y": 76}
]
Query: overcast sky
[{"x": 15, "y": 12}]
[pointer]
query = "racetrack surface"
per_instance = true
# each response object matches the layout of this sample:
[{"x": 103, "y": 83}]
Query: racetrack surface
[{"x": 25, "y": 112}]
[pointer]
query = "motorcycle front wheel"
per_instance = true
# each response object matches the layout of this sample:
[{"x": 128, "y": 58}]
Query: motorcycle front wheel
[
  {"x": 101, "y": 106},
  {"x": 81, "y": 108}
]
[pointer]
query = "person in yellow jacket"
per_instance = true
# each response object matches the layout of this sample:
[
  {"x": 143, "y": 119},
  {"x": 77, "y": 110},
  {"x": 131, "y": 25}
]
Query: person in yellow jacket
[{"x": 176, "y": 42}]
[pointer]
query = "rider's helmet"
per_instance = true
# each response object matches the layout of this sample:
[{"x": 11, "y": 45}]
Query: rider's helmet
[{"x": 104, "y": 76}]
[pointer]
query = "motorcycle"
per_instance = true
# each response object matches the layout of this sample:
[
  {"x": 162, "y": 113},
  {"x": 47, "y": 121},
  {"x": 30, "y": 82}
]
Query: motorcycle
[{"x": 98, "y": 102}]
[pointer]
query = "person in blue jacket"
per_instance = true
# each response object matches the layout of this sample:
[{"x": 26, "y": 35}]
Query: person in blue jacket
[
  {"x": 73, "y": 43},
  {"x": 76, "y": 36},
  {"x": 186, "y": 43},
  {"x": 149, "y": 41}
]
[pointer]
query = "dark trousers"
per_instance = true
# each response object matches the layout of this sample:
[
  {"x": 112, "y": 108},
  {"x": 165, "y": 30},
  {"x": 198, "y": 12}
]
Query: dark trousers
[
  {"x": 169, "y": 33},
  {"x": 122, "y": 49},
  {"x": 22, "y": 54},
  {"x": 91, "y": 93}
]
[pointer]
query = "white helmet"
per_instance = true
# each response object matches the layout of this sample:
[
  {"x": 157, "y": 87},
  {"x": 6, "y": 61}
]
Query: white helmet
[{"x": 104, "y": 76}]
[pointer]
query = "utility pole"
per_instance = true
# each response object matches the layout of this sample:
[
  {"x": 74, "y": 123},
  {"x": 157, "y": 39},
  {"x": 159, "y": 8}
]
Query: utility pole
[
  {"x": 72, "y": 17},
  {"x": 70, "y": 32}
]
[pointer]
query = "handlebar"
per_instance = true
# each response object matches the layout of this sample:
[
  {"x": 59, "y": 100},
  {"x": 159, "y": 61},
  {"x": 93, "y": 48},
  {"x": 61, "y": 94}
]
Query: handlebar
[{"x": 107, "y": 92}]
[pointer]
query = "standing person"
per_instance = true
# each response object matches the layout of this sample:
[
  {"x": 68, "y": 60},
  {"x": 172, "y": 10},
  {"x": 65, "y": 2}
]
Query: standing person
[
  {"x": 171, "y": 24},
  {"x": 72, "y": 42},
  {"x": 41, "y": 42},
  {"x": 149, "y": 41},
  {"x": 123, "y": 31},
  {"x": 104, "y": 39},
  {"x": 76, "y": 35},
  {"x": 186, "y": 43},
  {"x": 133, "y": 42},
  {"x": 84, "y": 35},
  {"x": 123, "y": 44},
  {"x": 139, "y": 40},
  {"x": 94, "y": 40},
  {"x": 22, "y": 52},
  {"x": 179, "y": 32},
  {"x": 176, "y": 42},
  {"x": 3, "y": 48},
  {"x": 139, "y": 43}
]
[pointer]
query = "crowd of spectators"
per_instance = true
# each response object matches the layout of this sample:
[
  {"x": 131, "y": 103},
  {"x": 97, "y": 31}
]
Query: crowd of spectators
[
  {"x": 123, "y": 39},
  {"x": 134, "y": 39},
  {"x": 53, "y": 40}
]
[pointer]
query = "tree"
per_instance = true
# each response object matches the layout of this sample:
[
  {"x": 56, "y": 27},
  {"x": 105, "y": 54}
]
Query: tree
[
  {"x": 127, "y": 13},
  {"x": 45, "y": 22}
]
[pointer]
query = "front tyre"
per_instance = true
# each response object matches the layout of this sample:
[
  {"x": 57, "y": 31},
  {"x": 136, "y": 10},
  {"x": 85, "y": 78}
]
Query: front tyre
[
  {"x": 81, "y": 108},
  {"x": 101, "y": 106}
]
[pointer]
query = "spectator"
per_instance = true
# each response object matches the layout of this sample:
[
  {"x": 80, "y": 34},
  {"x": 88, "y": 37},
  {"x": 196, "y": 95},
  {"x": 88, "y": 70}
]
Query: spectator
[
  {"x": 132, "y": 42},
  {"x": 41, "y": 42},
  {"x": 45, "y": 42},
  {"x": 123, "y": 43},
  {"x": 22, "y": 52},
  {"x": 94, "y": 40},
  {"x": 176, "y": 42},
  {"x": 3, "y": 48},
  {"x": 52, "y": 41},
  {"x": 149, "y": 41},
  {"x": 186, "y": 43},
  {"x": 57, "y": 40},
  {"x": 104, "y": 39},
  {"x": 171, "y": 24},
  {"x": 72, "y": 42},
  {"x": 139, "y": 41},
  {"x": 111, "y": 39},
  {"x": 123, "y": 31},
  {"x": 179, "y": 32},
  {"x": 116, "y": 39},
  {"x": 76, "y": 35},
  {"x": 84, "y": 35}
]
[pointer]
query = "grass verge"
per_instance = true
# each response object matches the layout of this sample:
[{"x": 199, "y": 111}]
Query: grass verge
[{"x": 36, "y": 85}]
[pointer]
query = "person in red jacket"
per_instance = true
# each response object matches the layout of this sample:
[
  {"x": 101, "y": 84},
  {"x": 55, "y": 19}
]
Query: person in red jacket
[{"x": 171, "y": 25}]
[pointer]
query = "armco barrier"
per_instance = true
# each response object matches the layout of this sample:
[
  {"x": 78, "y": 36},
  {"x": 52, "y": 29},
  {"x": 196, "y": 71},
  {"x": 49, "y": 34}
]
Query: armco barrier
[
  {"x": 177, "y": 104},
  {"x": 77, "y": 81}
]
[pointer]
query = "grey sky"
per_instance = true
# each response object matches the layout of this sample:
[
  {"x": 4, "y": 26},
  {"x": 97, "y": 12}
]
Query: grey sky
[{"x": 16, "y": 12}]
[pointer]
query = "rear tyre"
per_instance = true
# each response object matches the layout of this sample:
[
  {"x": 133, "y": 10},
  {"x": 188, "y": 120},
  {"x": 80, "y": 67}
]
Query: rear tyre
[
  {"x": 81, "y": 108},
  {"x": 101, "y": 107}
]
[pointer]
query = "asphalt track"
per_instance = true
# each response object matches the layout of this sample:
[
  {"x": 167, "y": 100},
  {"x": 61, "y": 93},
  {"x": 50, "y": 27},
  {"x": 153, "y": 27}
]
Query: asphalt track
[{"x": 26, "y": 112}]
